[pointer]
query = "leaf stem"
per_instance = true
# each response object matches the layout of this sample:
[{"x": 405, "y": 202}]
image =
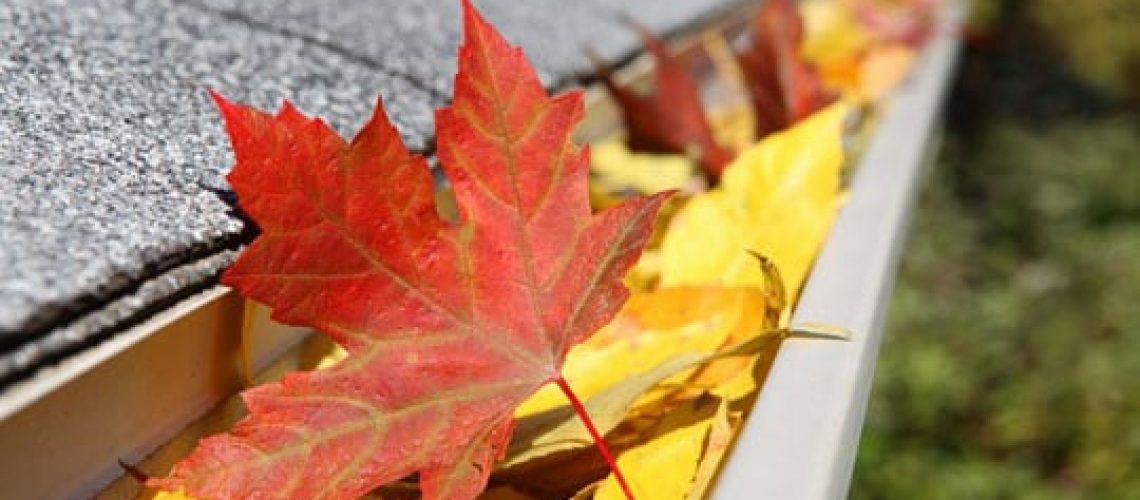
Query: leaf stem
[{"x": 600, "y": 442}]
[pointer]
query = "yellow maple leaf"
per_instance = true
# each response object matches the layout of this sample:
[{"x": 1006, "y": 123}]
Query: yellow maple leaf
[
  {"x": 616, "y": 169},
  {"x": 664, "y": 466},
  {"x": 779, "y": 199},
  {"x": 540, "y": 436},
  {"x": 652, "y": 328}
]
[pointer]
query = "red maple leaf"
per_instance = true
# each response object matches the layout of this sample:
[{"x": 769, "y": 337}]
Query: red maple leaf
[
  {"x": 670, "y": 119},
  {"x": 448, "y": 326},
  {"x": 784, "y": 88}
]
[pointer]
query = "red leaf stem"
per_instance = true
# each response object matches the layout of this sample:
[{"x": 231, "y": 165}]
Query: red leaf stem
[{"x": 599, "y": 441}]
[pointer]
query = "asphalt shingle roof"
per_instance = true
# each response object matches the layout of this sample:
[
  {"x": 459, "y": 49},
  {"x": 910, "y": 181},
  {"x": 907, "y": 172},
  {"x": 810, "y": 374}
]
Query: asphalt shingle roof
[{"x": 112, "y": 157}]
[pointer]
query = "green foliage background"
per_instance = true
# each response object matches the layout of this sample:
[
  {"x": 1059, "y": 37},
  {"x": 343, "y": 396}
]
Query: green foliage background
[{"x": 1011, "y": 366}]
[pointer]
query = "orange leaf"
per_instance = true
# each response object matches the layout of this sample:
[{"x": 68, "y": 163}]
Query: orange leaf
[{"x": 883, "y": 69}]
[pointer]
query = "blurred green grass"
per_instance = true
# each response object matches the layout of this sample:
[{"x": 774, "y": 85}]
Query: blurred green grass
[{"x": 1011, "y": 366}]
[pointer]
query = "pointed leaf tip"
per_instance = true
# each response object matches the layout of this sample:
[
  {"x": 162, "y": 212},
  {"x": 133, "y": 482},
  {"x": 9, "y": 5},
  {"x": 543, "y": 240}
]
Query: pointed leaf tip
[
  {"x": 228, "y": 109},
  {"x": 217, "y": 97}
]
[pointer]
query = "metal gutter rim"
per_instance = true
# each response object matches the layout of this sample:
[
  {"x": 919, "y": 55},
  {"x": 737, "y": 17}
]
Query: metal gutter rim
[{"x": 801, "y": 438}]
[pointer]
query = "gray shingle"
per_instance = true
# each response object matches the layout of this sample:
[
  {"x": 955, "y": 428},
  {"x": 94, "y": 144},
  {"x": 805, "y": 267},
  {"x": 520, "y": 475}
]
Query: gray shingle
[
  {"x": 418, "y": 37},
  {"x": 109, "y": 147}
]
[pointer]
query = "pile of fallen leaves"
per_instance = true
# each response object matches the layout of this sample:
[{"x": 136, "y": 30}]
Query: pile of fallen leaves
[{"x": 512, "y": 337}]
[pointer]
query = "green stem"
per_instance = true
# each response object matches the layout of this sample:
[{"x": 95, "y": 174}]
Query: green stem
[{"x": 580, "y": 409}]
